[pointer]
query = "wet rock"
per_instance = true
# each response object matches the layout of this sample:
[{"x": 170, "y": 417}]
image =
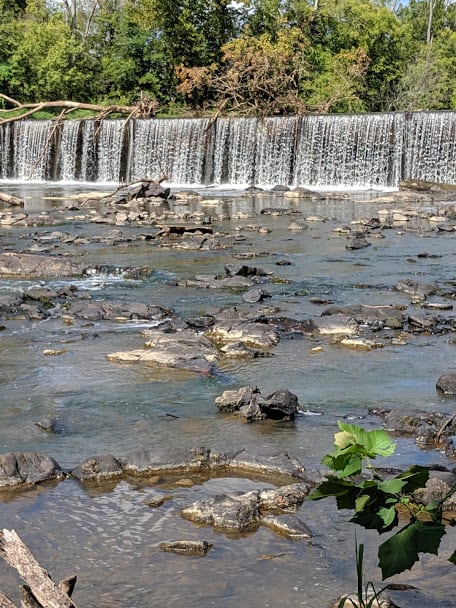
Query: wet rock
[
  {"x": 235, "y": 512},
  {"x": 284, "y": 498},
  {"x": 289, "y": 526},
  {"x": 249, "y": 403},
  {"x": 40, "y": 266},
  {"x": 187, "y": 547},
  {"x": 237, "y": 349},
  {"x": 92, "y": 310},
  {"x": 157, "y": 500},
  {"x": 292, "y": 328},
  {"x": 375, "y": 316},
  {"x": 167, "y": 460},
  {"x": 246, "y": 511},
  {"x": 256, "y": 335},
  {"x": 98, "y": 467},
  {"x": 447, "y": 384},
  {"x": 357, "y": 241},
  {"x": 428, "y": 428},
  {"x": 184, "y": 350},
  {"x": 243, "y": 270},
  {"x": 416, "y": 289},
  {"x": 359, "y": 343},
  {"x": 337, "y": 324},
  {"x": 255, "y": 295},
  {"x": 18, "y": 468}
]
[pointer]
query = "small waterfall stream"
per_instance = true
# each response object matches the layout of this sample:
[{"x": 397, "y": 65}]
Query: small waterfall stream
[{"x": 363, "y": 150}]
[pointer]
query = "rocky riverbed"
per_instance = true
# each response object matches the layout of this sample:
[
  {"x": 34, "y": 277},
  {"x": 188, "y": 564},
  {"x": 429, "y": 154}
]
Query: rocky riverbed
[{"x": 248, "y": 323}]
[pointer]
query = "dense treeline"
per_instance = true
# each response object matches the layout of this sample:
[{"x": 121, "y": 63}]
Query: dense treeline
[{"x": 249, "y": 57}]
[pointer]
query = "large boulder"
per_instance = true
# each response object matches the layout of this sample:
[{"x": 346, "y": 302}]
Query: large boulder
[{"x": 249, "y": 403}]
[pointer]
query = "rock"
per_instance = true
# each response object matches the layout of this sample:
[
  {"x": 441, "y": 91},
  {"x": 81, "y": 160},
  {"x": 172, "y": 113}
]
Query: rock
[
  {"x": 337, "y": 325},
  {"x": 437, "y": 487},
  {"x": 187, "y": 547},
  {"x": 256, "y": 335},
  {"x": 98, "y": 467},
  {"x": 40, "y": 266},
  {"x": 417, "y": 289},
  {"x": 289, "y": 526},
  {"x": 285, "y": 498},
  {"x": 184, "y": 350},
  {"x": 92, "y": 310},
  {"x": 359, "y": 343},
  {"x": 237, "y": 349},
  {"x": 243, "y": 270},
  {"x": 447, "y": 384},
  {"x": 375, "y": 316},
  {"x": 245, "y": 511},
  {"x": 281, "y": 405},
  {"x": 18, "y": 468},
  {"x": 255, "y": 295},
  {"x": 357, "y": 241},
  {"x": 238, "y": 512}
]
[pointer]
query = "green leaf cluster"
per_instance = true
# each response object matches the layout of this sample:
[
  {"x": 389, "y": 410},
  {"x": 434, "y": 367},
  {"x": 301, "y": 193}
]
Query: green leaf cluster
[{"x": 377, "y": 502}]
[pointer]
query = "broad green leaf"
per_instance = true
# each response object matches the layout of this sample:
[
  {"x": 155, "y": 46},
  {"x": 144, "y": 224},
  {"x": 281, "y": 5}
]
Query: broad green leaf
[
  {"x": 370, "y": 520},
  {"x": 415, "y": 477},
  {"x": 389, "y": 516},
  {"x": 401, "y": 550},
  {"x": 361, "y": 502},
  {"x": 333, "y": 486},
  {"x": 344, "y": 464},
  {"x": 392, "y": 486},
  {"x": 379, "y": 443},
  {"x": 375, "y": 443}
]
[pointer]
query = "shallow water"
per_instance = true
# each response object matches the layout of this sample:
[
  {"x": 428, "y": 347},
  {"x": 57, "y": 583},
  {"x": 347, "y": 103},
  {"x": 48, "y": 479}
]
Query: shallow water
[{"x": 107, "y": 534}]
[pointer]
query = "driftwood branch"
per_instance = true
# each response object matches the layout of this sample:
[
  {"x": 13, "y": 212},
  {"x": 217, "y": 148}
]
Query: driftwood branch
[
  {"x": 5, "y": 602},
  {"x": 39, "y": 591},
  {"x": 146, "y": 107},
  {"x": 11, "y": 200}
]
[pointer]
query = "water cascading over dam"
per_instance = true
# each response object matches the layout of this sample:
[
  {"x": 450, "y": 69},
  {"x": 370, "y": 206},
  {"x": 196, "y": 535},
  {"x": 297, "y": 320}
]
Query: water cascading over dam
[{"x": 358, "y": 150}]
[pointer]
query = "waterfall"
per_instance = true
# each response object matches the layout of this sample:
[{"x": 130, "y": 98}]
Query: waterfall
[
  {"x": 172, "y": 147},
  {"x": 359, "y": 150},
  {"x": 430, "y": 147},
  {"x": 352, "y": 150},
  {"x": 31, "y": 148}
]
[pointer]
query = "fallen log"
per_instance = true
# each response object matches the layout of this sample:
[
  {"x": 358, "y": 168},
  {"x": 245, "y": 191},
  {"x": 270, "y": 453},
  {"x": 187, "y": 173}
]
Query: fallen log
[
  {"x": 11, "y": 200},
  {"x": 39, "y": 591}
]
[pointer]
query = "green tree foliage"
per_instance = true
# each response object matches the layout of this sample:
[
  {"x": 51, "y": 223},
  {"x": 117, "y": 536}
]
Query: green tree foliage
[{"x": 338, "y": 55}]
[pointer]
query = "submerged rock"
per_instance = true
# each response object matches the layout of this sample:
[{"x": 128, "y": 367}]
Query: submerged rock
[{"x": 187, "y": 547}]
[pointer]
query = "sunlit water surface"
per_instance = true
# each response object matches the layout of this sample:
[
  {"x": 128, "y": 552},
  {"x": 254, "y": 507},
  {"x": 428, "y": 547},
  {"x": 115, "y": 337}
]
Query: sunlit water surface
[{"x": 107, "y": 534}]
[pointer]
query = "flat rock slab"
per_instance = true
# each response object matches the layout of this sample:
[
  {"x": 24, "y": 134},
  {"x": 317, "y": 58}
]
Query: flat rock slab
[
  {"x": 184, "y": 350},
  {"x": 30, "y": 265}
]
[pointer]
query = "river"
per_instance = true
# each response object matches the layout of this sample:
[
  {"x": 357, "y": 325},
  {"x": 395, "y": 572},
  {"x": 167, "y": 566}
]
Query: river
[{"x": 106, "y": 534}]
